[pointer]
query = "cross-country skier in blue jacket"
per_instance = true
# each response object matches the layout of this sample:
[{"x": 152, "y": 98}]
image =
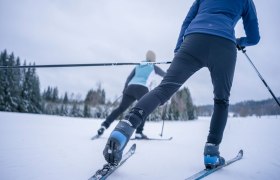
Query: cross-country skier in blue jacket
[
  {"x": 135, "y": 88},
  {"x": 206, "y": 39}
]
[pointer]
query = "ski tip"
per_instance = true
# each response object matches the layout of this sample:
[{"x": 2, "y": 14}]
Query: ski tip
[
  {"x": 241, "y": 152},
  {"x": 95, "y": 137},
  {"x": 133, "y": 148}
]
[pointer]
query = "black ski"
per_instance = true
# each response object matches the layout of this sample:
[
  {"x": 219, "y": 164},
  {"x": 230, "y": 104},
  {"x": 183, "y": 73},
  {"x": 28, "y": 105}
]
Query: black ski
[
  {"x": 207, "y": 172},
  {"x": 95, "y": 137},
  {"x": 153, "y": 139},
  {"x": 108, "y": 169}
]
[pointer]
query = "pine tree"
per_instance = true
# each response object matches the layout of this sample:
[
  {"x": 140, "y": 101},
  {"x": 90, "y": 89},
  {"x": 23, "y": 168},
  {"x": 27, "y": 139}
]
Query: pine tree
[
  {"x": 35, "y": 96},
  {"x": 87, "y": 112},
  {"x": 55, "y": 95},
  {"x": 18, "y": 81},
  {"x": 189, "y": 105},
  {"x": 10, "y": 83},
  {"x": 31, "y": 98},
  {"x": 64, "y": 106},
  {"x": 181, "y": 106},
  {"x": 75, "y": 111},
  {"x": 48, "y": 94},
  {"x": 63, "y": 110},
  {"x": 3, "y": 84},
  {"x": 94, "y": 98},
  {"x": 65, "y": 99},
  {"x": 25, "y": 94}
]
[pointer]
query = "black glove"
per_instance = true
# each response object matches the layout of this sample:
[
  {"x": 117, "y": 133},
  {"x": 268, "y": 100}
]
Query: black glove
[{"x": 240, "y": 48}]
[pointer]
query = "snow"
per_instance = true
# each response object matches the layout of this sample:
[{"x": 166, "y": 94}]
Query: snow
[{"x": 42, "y": 147}]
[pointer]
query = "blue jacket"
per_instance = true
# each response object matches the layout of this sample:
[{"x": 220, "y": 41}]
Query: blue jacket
[{"x": 219, "y": 17}]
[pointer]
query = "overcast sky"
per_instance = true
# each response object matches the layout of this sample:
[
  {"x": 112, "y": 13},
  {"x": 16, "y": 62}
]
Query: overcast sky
[{"x": 95, "y": 31}]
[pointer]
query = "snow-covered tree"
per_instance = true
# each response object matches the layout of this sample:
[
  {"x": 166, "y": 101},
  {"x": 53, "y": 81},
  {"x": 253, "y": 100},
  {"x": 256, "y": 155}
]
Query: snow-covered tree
[
  {"x": 10, "y": 83},
  {"x": 181, "y": 106}
]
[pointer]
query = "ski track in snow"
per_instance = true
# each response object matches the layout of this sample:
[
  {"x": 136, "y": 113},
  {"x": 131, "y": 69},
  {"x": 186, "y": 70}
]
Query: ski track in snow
[{"x": 42, "y": 147}]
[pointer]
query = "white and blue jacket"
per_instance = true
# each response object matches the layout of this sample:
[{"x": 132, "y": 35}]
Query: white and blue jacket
[{"x": 141, "y": 73}]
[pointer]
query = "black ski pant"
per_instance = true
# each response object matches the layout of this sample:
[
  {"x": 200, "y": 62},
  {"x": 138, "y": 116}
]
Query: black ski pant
[
  {"x": 197, "y": 51},
  {"x": 132, "y": 93}
]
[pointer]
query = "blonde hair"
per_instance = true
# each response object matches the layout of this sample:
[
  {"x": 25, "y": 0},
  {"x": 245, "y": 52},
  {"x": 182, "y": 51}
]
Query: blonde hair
[{"x": 150, "y": 56}]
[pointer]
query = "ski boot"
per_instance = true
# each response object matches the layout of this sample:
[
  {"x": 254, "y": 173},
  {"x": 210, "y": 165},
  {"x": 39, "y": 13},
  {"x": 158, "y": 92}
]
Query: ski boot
[
  {"x": 140, "y": 136},
  {"x": 212, "y": 158},
  {"x": 101, "y": 130},
  {"x": 117, "y": 141}
]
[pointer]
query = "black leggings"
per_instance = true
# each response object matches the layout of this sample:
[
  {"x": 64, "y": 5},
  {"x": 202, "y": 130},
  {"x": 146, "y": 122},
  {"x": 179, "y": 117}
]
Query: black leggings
[
  {"x": 197, "y": 51},
  {"x": 132, "y": 93}
]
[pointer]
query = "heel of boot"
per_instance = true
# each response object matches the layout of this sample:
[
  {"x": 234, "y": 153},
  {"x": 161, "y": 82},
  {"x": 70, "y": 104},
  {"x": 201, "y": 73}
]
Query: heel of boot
[
  {"x": 111, "y": 152},
  {"x": 211, "y": 162},
  {"x": 117, "y": 142}
]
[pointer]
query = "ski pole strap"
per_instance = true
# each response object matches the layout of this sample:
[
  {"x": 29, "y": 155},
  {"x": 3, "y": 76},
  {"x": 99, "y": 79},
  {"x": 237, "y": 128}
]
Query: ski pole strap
[{"x": 80, "y": 65}]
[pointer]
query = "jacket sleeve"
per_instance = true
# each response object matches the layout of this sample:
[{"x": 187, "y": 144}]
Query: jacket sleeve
[
  {"x": 129, "y": 78},
  {"x": 190, "y": 16},
  {"x": 251, "y": 26},
  {"x": 159, "y": 71}
]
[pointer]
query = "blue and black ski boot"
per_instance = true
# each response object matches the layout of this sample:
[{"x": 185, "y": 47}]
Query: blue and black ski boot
[
  {"x": 117, "y": 141},
  {"x": 212, "y": 157}
]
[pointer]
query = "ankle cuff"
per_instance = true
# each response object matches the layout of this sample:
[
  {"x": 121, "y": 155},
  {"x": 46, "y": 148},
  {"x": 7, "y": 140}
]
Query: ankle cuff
[
  {"x": 211, "y": 149},
  {"x": 124, "y": 128}
]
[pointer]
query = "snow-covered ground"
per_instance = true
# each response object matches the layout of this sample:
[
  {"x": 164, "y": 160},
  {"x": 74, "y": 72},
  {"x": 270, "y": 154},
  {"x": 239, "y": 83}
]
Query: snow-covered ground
[{"x": 41, "y": 147}]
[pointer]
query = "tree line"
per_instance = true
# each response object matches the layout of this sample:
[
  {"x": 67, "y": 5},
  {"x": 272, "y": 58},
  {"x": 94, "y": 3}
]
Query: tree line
[
  {"x": 19, "y": 88},
  {"x": 257, "y": 108},
  {"x": 245, "y": 108},
  {"x": 20, "y": 92}
]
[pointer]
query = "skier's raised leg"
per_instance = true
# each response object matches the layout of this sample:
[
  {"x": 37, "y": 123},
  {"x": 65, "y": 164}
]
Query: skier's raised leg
[{"x": 119, "y": 138}]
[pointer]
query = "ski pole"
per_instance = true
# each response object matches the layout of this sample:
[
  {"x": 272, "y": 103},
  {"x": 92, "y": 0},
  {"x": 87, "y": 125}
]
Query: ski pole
[
  {"x": 161, "y": 134},
  {"x": 117, "y": 99},
  {"x": 244, "y": 52},
  {"x": 81, "y": 65}
]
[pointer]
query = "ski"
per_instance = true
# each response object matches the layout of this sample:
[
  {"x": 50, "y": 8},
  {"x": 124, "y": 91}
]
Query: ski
[
  {"x": 154, "y": 139},
  {"x": 95, "y": 137},
  {"x": 108, "y": 169},
  {"x": 207, "y": 172}
]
